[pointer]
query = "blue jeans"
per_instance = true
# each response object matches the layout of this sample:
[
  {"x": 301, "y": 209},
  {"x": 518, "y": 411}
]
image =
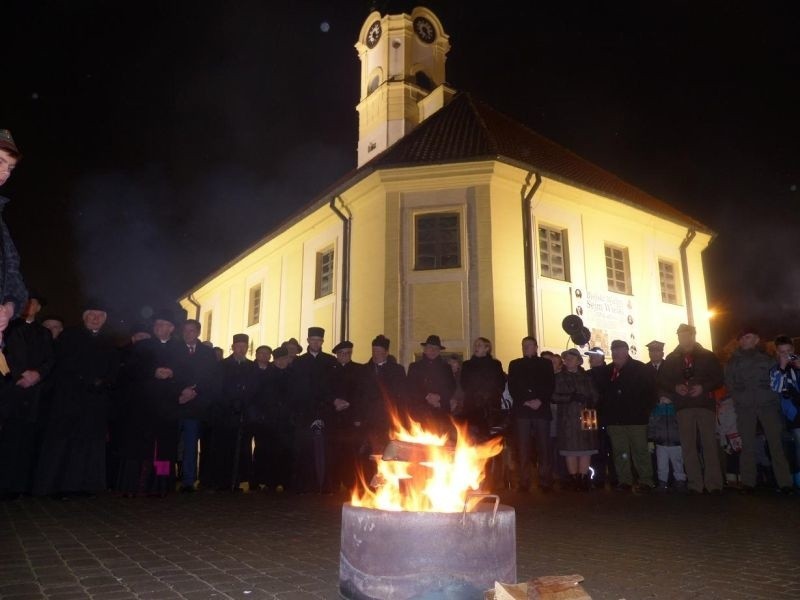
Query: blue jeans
[
  {"x": 190, "y": 433},
  {"x": 529, "y": 432}
]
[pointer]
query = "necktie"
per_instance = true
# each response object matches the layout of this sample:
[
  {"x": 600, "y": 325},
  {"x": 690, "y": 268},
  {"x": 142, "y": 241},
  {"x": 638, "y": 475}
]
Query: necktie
[
  {"x": 614, "y": 374},
  {"x": 191, "y": 349}
]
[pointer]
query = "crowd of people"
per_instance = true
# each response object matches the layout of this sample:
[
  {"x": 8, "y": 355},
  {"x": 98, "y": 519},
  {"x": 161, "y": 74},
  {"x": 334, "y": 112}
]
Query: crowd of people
[{"x": 166, "y": 412}]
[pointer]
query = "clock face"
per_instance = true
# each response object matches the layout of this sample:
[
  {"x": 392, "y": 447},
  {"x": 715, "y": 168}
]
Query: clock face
[
  {"x": 424, "y": 29},
  {"x": 373, "y": 34}
]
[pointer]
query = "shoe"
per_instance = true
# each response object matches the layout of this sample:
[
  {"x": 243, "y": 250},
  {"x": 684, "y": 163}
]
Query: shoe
[
  {"x": 279, "y": 488},
  {"x": 662, "y": 487},
  {"x": 622, "y": 487}
]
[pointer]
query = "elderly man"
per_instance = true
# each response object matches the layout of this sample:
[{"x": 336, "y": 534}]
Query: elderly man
[
  {"x": 689, "y": 375},
  {"x": 13, "y": 294},
  {"x": 655, "y": 350},
  {"x": 345, "y": 416},
  {"x": 73, "y": 456},
  {"x": 747, "y": 377},
  {"x": 627, "y": 395},
  {"x": 431, "y": 384}
]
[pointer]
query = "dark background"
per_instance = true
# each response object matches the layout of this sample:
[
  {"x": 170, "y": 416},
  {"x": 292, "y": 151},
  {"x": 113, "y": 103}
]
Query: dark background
[{"x": 163, "y": 138}]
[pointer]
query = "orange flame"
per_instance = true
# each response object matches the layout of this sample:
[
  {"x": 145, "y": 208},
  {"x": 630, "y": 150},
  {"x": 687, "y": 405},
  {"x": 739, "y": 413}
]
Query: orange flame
[{"x": 440, "y": 483}]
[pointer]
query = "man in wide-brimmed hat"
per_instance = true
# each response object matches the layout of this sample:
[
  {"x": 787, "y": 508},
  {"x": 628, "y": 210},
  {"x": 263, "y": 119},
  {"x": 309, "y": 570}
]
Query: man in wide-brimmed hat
[{"x": 431, "y": 384}]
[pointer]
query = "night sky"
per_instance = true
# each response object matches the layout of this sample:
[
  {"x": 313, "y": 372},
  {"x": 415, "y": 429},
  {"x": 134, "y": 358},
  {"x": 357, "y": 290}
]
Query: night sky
[{"x": 164, "y": 138}]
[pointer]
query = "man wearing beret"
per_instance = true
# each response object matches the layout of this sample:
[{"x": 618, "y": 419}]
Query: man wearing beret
[
  {"x": 747, "y": 377},
  {"x": 345, "y": 418},
  {"x": 311, "y": 395},
  {"x": 690, "y": 375},
  {"x": 13, "y": 294}
]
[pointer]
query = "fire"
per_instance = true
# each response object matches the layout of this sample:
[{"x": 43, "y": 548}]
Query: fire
[{"x": 438, "y": 482}]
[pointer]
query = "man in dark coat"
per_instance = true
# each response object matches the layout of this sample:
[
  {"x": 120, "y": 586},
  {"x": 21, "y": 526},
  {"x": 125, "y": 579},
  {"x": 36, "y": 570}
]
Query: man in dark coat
[
  {"x": 229, "y": 455},
  {"x": 483, "y": 381},
  {"x": 13, "y": 294},
  {"x": 383, "y": 393},
  {"x": 311, "y": 393},
  {"x": 199, "y": 379},
  {"x": 29, "y": 353},
  {"x": 690, "y": 374},
  {"x": 627, "y": 396},
  {"x": 531, "y": 381},
  {"x": 72, "y": 459},
  {"x": 431, "y": 384},
  {"x": 345, "y": 418},
  {"x": 272, "y": 457}
]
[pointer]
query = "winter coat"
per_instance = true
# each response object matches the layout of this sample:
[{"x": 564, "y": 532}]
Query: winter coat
[
  {"x": 628, "y": 397},
  {"x": 483, "y": 381},
  {"x": 705, "y": 371},
  {"x": 573, "y": 393},
  {"x": 748, "y": 381},
  {"x": 529, "y": 378},
  {"x": 12, "y": 287},
  {"x": 430, "y": 376}
]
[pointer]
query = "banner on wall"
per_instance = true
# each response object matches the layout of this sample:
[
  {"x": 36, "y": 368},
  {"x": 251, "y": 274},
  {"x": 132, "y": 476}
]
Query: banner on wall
[{"x": 609, "y": 317}]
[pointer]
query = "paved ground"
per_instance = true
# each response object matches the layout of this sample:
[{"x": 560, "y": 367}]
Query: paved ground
[{"x": 287, "y": 547}]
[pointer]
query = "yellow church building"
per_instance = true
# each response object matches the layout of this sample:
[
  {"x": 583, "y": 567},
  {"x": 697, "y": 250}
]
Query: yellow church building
[{"x": 461, "y": 222}]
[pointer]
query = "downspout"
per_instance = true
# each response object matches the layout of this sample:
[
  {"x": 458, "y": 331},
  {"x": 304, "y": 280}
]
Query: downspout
[
  {"x": 346, "y": 220},
  {"x": 527, "y": 243},
  {"x": 685, "y": 269},
  {"x": 196, "y": 305}
]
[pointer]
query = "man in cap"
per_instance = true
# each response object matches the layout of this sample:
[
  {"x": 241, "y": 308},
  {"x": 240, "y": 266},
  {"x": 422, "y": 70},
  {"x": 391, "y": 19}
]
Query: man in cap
[
  {"x": 655, "y": 350},
  {"x": 531, "y": 381},
  {"x": 230, "y": 456},
  {"x": 311, "y": 395},
  {"x": 383, "y": 392},
  {"x": 747, "y": 377},
  {"x": 345, "y": 418},
  {"x": 73, "y": 456},
  {"x": 431, "y": 384},
  {"x": 13, "y": 294},
  {"x": 690, "y": 374},
  {"x": 627, "y": 395}
]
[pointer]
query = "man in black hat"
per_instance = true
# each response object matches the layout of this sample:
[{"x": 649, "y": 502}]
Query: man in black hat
[
  {"x": 431, "y": 384},
  {"x": 627, "y": 396},
  {"x": 531, "y": 381},
  {"x": 345, "y": 418},
  {"x": 13, "y": 294},
  {"x": 73, "y": 456},
  {"x": 230, "y": 456},
  {"x": 311, "y": 394},
  {"x": 690, "y": 374},
  {"x": 383, "y": 392}
]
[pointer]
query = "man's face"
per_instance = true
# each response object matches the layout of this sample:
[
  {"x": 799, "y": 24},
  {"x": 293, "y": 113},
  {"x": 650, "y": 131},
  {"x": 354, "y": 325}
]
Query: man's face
[
  {"x": 748, "y": 341},
  {"x": 263, "y": 355},
  {"x": 315, "y": 343},
  {"x": 529, "y": 348},
  {"x": 54, "y": 325},
  {"x": 163, "y": 329},
  {"x": 784, "y": 351},
  {"x": 7, "y": 164},
  {"x": 282, "y": 362},
  {"x": 239, "y": 349},
  {"x": 656, "y": 354},
  {"x": 595, "y": 360},
  {"x": 480, "y": 348},
  {"x": 344, "y": 356},
  {"x": 191, "y": 333},
  {"x": 686, "y": 340},
  {"x": 32, "y": 308},
  {"x": 431, "y": 351},
  {"x": 619, "y": 355},
  {"x": 94, "y": 319},
  {"x": 379, "y": 354}
]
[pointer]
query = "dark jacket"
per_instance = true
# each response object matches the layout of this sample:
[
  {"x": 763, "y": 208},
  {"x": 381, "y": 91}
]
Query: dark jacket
[
  {"x": 483, "y": 382},
  {"x": 202, "y": 371},
  {"x": 12, "y": 287},
  {"x": 240, "y": 384},
  {"x": 310, "y": 387},
  {"x": 28, "y": 347},
  {"x": 382, "y": 389},
  {"x": 747, "y": 378},
  {"x": 573, "y": 393},
  {"x": 663, "y": 426},
  {"x": 705, "y": 370},
  {"x": 529, "y": 378},
  {"x": 344, "y": 385},
  {"x": 425, "y": 377},
  {"x": 627, "y": 395}
]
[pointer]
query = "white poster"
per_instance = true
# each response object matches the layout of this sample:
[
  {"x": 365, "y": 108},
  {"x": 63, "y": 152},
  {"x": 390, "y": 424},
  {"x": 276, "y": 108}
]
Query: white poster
[{"x": 608, "y": 317}]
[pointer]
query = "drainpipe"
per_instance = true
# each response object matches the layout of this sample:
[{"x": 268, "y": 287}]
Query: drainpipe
[
  {"x": 196, "y": 305},
  {"x": 685, "y": 269},
  {"x": 346, "y": 220},
  {"x": 527, "y": 243}
]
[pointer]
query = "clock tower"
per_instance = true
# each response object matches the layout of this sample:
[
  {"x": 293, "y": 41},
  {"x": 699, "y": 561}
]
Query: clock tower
[{"x": 402, "y": 77}]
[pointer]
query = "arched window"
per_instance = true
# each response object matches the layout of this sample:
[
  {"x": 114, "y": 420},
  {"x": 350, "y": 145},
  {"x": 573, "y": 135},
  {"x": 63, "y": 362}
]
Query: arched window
[{"x": 373, "y": 84}]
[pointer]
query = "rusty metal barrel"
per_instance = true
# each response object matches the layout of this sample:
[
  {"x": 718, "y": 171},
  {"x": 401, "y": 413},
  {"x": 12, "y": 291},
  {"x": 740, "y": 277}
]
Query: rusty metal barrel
[{"x": 387, "y": 555}]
